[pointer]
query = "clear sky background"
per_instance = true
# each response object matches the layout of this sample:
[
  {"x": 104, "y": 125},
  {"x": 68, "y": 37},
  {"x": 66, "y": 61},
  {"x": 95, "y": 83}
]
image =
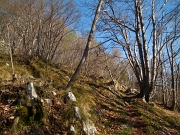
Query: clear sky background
[
  {"x": 87, "y": 13},
  {"x": 88, "y": 7}
]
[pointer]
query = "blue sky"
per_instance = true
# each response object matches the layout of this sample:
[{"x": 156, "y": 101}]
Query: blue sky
[{"x": 87, "y": 15}]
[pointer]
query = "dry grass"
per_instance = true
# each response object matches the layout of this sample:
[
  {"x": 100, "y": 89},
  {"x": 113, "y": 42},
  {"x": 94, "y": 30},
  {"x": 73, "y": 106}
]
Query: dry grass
[{"x": 94, "y": 99}]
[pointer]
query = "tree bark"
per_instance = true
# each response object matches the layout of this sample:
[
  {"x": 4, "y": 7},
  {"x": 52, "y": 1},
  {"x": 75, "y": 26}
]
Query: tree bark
[
  {"x": 145, "y": 86},
  {"x": 86, "y": 51}
]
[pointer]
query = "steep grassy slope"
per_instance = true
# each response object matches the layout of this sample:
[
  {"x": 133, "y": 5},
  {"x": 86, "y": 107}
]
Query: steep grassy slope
[{"x": 96, "y": 101}]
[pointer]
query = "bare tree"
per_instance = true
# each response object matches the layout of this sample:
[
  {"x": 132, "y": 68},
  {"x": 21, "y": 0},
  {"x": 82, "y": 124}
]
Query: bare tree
[
  {"x": 39, "y": 26},
  {"x": 86, "y": 51},
  {"x": 138, "y": 29}
]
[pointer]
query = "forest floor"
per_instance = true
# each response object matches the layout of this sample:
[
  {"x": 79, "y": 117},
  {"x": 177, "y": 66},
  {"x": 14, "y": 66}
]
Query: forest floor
[
  {"x": 137, "y": 118},
  {"x": 101, "y": 103}
]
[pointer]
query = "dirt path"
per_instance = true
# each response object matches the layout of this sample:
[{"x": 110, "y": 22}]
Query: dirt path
[{"x": 135, "y": 118}]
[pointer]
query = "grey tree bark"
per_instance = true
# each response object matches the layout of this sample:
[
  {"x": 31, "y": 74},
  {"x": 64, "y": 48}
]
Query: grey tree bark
[
  {"x": 130, "y": 33},
  {"x": 86, "y": 51}
]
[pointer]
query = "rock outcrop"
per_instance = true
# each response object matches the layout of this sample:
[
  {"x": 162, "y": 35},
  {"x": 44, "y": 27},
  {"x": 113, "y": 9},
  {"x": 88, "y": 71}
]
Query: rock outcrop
[
  {"x": 89, "y": 127},
  {"x": 31, "y": 93},
  {"x": 69, "y": 97}
]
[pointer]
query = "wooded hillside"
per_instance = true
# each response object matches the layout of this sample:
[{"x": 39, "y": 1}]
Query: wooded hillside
[{"x": 129, "y": 59}]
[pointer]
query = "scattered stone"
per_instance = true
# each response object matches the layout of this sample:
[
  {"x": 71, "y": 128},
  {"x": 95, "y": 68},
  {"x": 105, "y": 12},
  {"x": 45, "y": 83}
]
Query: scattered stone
[
  {"x": 77, "y": 114},
  {"x": 48, "y": 101},
  {"x": 72, "y": 129},
  {"x": 42, "y": 101},
  {"x": 12, "y": 117},
  {"x": 54, "y": 93},
  {"x": 70, "y": 96},
  {"x": 131, "y": 91},
  {"x": 31, "y": 91},
  {"x": 126, "y": 103},
  {"x": 89, "y": 128},
  {"x": 67, "y": 77},
  {"x": 6, "y": 108}
]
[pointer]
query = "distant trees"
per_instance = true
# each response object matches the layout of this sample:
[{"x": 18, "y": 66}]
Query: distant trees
[
  {"x": 45, "y": 29},
  {"x": 39, "y": 27},
  {"x": 146, "y": 32},
  {"x": 170, "y": 72}
]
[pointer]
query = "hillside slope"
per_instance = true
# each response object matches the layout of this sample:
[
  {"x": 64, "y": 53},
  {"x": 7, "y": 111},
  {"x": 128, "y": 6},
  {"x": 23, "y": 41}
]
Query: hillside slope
[{"x": 96, "y": 100}]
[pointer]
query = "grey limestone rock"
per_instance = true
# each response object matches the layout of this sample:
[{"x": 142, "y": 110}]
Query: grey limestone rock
[
  {"x": 77, "y": 114},
  {"x": 31, "y": 91},
  {"x": 48, "y": 101},
  {"x": 69, "y": 97},
  {"x": 72, "y": 129},
  {"x": 89, "y": 128}
]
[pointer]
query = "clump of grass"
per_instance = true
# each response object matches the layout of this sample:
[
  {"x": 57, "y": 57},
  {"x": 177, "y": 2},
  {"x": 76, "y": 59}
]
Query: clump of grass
[
  {"x": 157, "y": 124},
  {"x": 68, "y": 114},
  {"x": 144, "y": 118},
  {"x": 125, "y": 131},
  {"x": 149, "y": 129}
]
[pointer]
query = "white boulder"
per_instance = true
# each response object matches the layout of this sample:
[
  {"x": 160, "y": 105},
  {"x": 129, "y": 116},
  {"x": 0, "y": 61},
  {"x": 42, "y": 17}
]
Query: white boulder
[
  {"x": 31, "y": 91},
  {"x": 54, "y": 93},
  {"x": 77, "y": 114},
  {"x": 70, "y": 96},
  {"x": 72, "y": 129},
  {"x": 89, "y": 128},
  {"x": 48, "y": 101}
]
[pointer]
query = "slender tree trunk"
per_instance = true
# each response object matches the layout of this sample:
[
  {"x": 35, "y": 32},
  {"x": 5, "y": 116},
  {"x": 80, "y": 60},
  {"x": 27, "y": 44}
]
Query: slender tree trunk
[
  {"x": 10, "y": 51},
  {"x": 174, "y": 100},
  {"x": 162, "y": 87},
  {"x": 154, "y": 60},
  {"x": 86, "y": 51},
  {"x": 114, "y": 83}
]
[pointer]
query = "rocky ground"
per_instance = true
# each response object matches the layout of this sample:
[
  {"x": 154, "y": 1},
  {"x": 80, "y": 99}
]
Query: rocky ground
[{"x": 97, "y": 101}]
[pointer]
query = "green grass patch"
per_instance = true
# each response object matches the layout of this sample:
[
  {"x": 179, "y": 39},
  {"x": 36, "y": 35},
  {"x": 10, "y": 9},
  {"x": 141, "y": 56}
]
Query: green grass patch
[
  {"x": 149, "y": 129},
  {"x": 125, "y": 131},
  {"x": 144, "y": 118}
]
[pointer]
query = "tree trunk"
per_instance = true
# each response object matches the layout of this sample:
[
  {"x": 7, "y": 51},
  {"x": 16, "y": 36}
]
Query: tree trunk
[
  {"x": 145, "y": 91},
  {"x": 86, "y": 51},
  {"x": 145, "y": 84},
  {"x": 10, "y": 52}
]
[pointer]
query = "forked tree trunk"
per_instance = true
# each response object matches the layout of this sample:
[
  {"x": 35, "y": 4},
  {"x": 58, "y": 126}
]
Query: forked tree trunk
[
  {"x": 86, "y": 51},
  {"x": 145, "y": 92},
  {"x": 144, "y": 83}
]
